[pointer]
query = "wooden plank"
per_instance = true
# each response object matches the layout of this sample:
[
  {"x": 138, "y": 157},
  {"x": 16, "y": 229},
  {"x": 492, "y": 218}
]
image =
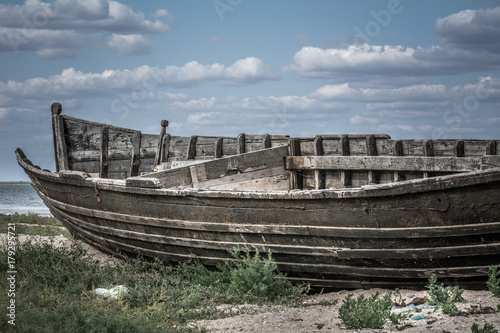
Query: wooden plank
[
  {"x": 103, "y": 160},
  {"x": 136, "y": 151},
  {"x": 428, "y": 151},
  {"x": 217, "y": 169},
  {"x": 161, "y": 147},
  {"x": 398, "y": 151},
  {"x": 390, "y": 163},
  {"x": 61, "y": 153},
  {"x": 460, "y": 148},
  {"x": 218, "y": 148},
  {"x": 266, "y": 141},
  {"x": 345, "y": 150},
  {"x": 319, "y": 176},
  {"x": 491, "y": 161},
  {"x": 241, "y": 144},
  {"x": 194, "y": 176},
  {"x": 295, "y": 178},
  {"x": 166, "y": 148},
  {"x": 371, "y": 150},
  {"x": 191, "y": 150},
  {"x": 491, "y": 148}
]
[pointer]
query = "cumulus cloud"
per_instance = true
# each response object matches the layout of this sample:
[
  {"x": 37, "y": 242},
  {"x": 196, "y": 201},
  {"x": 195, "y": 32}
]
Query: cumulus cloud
[
  {"x": 94, "y": 15},
  {"x": 72, "y": 82},
  {"x": 59, "y": 29},
  {"x": 129, "y": 44},
  {"x": 473, "y": 30},
  {"x": 359, "y": 62}
]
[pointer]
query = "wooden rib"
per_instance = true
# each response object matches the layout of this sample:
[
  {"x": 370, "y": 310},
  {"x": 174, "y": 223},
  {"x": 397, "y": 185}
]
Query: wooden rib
[
  {"x": 371, "y": 149},
  {"x": 428, "y": 151},
  {"x": 459, "y": 148},
  {"x": 161, "y": 147},
  {"x": 319, "y": 176},
  {"x": 191, "y": 150},
  {"x": 241, "y": 143},
  {"x": 345, "y": 176},
  {"x": 218, "y": 148},
  {"x": 103, "y": 163},
  {"x": 165, "y": 148},
  {"x": 266, "y": 141},
  {"x": 398, "y": 151},
  {"x": 136, "y": 151},
  {"x": 295, "y": 178},
  {"x": 491, "y": 148}
]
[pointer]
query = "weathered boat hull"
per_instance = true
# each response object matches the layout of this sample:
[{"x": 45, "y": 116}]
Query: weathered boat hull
[{"x": 385, "y": 235}]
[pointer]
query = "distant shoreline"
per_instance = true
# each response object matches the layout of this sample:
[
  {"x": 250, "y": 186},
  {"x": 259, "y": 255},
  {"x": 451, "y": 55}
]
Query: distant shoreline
[{"x": 18, "y": 182}]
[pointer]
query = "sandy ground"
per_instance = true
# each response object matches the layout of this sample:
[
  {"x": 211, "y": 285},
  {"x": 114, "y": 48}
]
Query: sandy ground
[{"x": 321, "y": 311}]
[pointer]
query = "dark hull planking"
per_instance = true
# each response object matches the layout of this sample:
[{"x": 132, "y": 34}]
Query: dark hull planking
[{"x": 387, "y": 235}]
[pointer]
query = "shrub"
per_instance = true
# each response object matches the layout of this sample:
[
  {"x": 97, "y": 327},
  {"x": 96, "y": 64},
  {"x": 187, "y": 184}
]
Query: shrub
[
  {"x": 366, "y": 312},
  {"x": 445, "y": 297},
  {"x": 493, "y": 282},
  {"x": 488, "y": 328}
]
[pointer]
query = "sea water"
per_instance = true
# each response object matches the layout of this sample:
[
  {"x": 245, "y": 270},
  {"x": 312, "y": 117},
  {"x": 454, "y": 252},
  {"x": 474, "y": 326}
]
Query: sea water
[{"x": 21, "y": 198}]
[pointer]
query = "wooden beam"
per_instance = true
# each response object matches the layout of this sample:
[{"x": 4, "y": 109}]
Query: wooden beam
[
  {"x": 136, "y": 152},
  {"x": 387, "y": 163},
  {"x": 266, "y": 141},
  {"x": 459, "y": 148},
  {"x": 371, "y": 150},
  {"x": 491, "y": 148},
  {"x": 191, "y": 150},
  {"x": 159, "y": 150},
  {"x": 428, "y": 147},
  {"x": 319, "y": 176},
  {"x": 218, "y": 148},
  {"x": 398, "y": 151},
  {"x": 103, "y": 163},
  {"x": 165, "y": 148},
  {"x": 345, "y": 176},
  {"x": 241, "y": 143},
  {"x": 60, "y": 150},
  {"x": 295, "y": 177},
  {"x": 258, "y": 164}
]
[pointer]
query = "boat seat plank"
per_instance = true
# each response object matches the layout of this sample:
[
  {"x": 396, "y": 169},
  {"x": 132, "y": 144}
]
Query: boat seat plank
[{"x": 391, "y": 163}]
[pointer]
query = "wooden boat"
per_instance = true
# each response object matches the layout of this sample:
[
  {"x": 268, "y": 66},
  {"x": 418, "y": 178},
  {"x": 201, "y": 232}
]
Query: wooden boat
[{"x": 337, "y": 211}]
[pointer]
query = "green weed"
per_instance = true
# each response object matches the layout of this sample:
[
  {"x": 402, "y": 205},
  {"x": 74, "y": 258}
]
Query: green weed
[
  {"x": 493, "y": 282},
  {"x": 445, "y": 297},
  {"x": 366, "y": 312},
  {"x": 488, "y": 328}
]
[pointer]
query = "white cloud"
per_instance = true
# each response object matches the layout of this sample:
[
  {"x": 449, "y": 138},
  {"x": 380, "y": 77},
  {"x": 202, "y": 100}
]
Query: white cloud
[
  {"x": 144, "y": 78},
  {"x": 3, "y": 112},
  {"x": 96, "y": 15},
  {"x": 474, "y": 30},
  {"x": 129, "y": 44}
]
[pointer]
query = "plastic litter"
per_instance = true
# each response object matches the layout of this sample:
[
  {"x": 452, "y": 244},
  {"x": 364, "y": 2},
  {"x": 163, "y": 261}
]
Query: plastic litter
[
  {"x": 111, "y": 293},
  {"x": 418, "y": 316}
]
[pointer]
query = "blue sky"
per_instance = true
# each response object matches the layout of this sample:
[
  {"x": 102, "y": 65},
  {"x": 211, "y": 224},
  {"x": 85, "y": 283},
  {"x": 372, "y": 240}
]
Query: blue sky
[{"x": 408, "y": 68}]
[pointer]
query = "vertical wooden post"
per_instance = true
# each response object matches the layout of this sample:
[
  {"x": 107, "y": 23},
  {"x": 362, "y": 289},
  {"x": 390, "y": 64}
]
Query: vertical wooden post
[
  {"x": 136, "y": 152},
  {"x": 241, "y": 143},
  {"x": 160, "y": 154},
  {"x": 319, "y": 175},
  {"x": 491, "y": 148},
  {"x": 428, "y": 151},
  {"x": 371, "y": 150},
  {"x": 266, "y": 141},
  {"x": 459, "y": 148},
  {"x": 345, "y": 175},
  {"x": 295, "y": 178},
  {"x": 103, "y": 165},
  {"x": 60, "y": 150},
  {"x": 398, "y": 151},
  {"x": 191, "y": 150},
  {"x": 218, "y": 148}
]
